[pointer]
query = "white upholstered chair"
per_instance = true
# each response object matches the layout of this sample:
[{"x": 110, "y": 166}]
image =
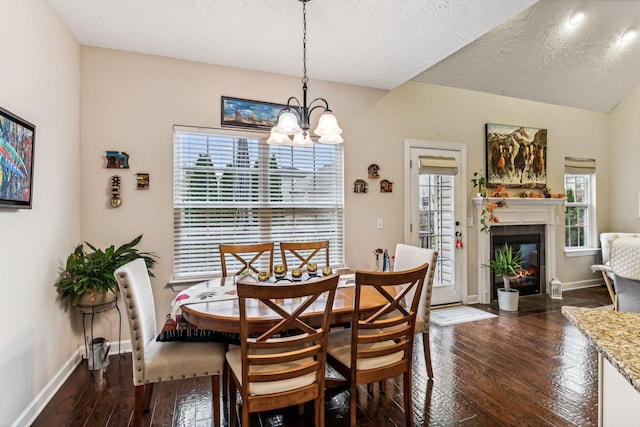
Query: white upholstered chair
[
  {"x": 155, "y": 361},
  {"x": 407, "y": 257},
  {"x": 606, "y": 240},
  {"x": 379, "y": 345},
  {"x": 625, "y": 265}
]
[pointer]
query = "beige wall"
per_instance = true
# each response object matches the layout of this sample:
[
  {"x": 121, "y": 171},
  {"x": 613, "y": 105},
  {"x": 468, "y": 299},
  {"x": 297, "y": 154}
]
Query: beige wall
[
  {"x": 130, "y": 102},
  {"x": 40, "y": 82},
  {"x": 625, "y": 179}
]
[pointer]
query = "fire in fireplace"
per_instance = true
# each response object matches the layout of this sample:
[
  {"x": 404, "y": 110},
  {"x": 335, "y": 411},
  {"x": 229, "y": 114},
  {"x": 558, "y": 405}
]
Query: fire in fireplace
[{"x": 528, "y": 283}]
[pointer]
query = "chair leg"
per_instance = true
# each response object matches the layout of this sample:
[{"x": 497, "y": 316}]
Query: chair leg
[
  {"x": 215, "y": 391},
  {"x": 148, "y": 391},
  {"x": 352, "y": 408},
  {"x": 408, "y": 409},
  {"x": 319, "y": 409},
  {"x": 232, "y": 403},
  {"x": 427, "y": 353},
  {"x": 138, "y": 404},
  {"x": 607, "y": 282}
]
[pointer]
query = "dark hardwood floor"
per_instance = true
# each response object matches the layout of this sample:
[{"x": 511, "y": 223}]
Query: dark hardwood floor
[{"x": 529, "y": 368}]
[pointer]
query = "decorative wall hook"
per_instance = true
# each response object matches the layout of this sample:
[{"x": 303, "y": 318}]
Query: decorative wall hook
[{"x": 116, "y": 201}]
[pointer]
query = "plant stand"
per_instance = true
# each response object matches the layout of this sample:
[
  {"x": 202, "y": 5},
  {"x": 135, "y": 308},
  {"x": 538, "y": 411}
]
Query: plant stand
[
  {"x": 508, "y": 300},
  {"x": 89, "y": 340}
]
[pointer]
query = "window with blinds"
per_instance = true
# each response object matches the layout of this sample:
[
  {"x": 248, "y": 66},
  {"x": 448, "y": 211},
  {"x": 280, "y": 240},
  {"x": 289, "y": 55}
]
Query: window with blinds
[{"x": 233, "y": 188}]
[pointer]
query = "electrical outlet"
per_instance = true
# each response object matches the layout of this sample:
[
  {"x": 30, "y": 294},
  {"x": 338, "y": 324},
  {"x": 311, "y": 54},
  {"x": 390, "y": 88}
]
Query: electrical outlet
[{"x": 380, "y": 223}]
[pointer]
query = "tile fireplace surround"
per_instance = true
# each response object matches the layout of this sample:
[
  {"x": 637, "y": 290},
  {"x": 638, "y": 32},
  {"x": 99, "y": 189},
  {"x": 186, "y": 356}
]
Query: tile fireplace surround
[{"x": 519, "y": 211}]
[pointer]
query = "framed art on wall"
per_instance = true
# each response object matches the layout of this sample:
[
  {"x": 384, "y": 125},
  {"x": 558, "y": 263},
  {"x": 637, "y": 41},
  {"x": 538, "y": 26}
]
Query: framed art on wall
[
  {"x": 17, "y": 137},
  {"x": 516, "y": 156},
  {"x": 244, "y": 113}
]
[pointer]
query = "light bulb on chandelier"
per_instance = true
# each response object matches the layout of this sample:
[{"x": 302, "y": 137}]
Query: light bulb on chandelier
[{"x": 294, "y": 119}]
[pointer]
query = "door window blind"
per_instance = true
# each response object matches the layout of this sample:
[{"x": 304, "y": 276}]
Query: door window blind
[{"x": 233, "y": 188}]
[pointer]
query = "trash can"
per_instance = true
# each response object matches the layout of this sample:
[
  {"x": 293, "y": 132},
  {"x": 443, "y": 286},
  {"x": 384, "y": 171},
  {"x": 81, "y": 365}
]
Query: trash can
[{"x": 98, "y": 356}]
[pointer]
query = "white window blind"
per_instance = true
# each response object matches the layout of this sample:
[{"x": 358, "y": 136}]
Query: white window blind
[{"x": 233, "y": 188}]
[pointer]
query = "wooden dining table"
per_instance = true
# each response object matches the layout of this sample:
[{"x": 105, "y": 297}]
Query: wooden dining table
[{"x": 224, "y": 316}]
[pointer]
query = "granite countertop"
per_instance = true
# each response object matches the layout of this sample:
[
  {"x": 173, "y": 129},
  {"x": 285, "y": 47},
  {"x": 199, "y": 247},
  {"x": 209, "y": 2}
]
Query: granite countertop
[{"x": 616, "y": 335}]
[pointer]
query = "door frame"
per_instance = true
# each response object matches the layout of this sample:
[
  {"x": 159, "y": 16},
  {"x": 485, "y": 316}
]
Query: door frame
[{"x": 461, "y": 199}]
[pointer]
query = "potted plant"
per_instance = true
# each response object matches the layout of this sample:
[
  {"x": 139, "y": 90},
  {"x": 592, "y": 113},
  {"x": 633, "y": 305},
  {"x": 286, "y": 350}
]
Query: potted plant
[
  {"x": 508, "y": 265},
  {"x": 88, "y": 275},
  {"x": 479, "y": 182}
]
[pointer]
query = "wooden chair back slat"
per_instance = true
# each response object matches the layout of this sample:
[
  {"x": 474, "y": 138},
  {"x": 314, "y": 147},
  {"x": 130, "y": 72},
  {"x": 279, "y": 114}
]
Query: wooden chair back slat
[
  {"x": 247, "y": 255},
  {"x": 303, "y": 252}
]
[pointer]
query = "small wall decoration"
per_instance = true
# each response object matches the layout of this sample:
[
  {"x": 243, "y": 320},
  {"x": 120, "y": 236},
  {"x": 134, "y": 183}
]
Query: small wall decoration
[
  {"x": 386, "y": 186},
  {"x": 244, "y": 113},
  {"x": 360, "y": 186},
  {"x": 117, "y": 160},
  {"x": 142, "y": 180},
  {"x": 116, "y": 201},
  {"x": 516, "y": 156},
  {"x": 373, "y": 171}
]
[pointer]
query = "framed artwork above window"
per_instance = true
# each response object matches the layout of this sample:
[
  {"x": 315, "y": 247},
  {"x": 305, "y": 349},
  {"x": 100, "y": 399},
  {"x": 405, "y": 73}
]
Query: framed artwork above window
[{"x": 244, "y": 113}]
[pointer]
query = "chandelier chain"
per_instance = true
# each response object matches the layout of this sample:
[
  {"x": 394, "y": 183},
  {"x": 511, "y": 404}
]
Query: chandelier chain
[{"x": 304, "y": 41}]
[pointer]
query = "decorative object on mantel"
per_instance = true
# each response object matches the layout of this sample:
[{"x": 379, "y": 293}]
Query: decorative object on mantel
[
  {"x": 360, "y": 186},
  {"x": 488, "y": 217},
  {"x": 516, "y": 156},
  {"x": 117, "y": 160},
  {"x": 115, "y": 201},
  {"x": 386, "y": 186},
  {"x": 479, "y": 182},
  {"x": 509, "y": 266},
  {"x": 373, "y": 171},
  {"x": 294, "y": 120},
  {"x": 142, "y": 180}
]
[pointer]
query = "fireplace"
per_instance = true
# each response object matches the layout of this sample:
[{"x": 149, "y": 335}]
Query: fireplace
[
  {"x": 522, "y": 217},
  {"x": 529, "y": 239}
]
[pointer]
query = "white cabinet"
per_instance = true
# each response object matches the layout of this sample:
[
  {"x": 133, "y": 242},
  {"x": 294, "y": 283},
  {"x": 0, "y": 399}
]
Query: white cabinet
[{"x": 618, "y": 400}]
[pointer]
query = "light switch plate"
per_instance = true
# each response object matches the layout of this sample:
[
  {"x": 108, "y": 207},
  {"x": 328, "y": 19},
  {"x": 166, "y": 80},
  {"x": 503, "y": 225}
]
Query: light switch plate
[{"x": 380, "y": 223}]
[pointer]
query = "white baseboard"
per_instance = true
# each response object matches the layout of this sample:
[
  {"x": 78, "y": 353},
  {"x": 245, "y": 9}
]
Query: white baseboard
[
  {"x": 567, "y": 286},
  {"x": 31, "y": 412}
]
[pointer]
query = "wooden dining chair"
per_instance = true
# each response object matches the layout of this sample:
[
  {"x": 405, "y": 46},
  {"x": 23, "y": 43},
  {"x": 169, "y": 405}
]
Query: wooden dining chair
[
  {"x": 248, "y": 257},
  {"x": 154, "y": 361},
  {"x": 303, "y": 252},
  {"x": 379, "y": 346},
  {"x": 407, "y": 257},
  {"x": 283, "y": 365}
]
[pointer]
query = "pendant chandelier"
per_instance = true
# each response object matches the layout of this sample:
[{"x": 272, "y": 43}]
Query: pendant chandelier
[{"x": 294, "y": 119}]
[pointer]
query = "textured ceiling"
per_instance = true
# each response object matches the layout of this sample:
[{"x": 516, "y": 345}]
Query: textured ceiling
[
  {"x": 538, "y": 55},
  {"x": 496, "y": 46}
]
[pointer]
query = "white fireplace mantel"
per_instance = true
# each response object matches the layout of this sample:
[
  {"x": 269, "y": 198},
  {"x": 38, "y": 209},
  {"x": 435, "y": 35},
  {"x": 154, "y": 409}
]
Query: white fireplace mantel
[{"x": 519, "y": 211}]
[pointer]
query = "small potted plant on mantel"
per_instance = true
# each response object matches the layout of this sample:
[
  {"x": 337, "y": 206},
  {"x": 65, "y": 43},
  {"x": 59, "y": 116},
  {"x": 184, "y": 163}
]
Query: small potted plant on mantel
[
  {"x": 88, "y": 275},
  {"x": 508, "y": 265}
]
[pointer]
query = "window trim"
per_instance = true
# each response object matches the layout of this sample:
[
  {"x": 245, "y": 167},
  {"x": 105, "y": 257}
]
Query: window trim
[{"x": 592, "y": 235}]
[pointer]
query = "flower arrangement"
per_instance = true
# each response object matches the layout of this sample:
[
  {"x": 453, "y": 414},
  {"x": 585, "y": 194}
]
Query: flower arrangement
[{"x": 488, "y": 216}]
